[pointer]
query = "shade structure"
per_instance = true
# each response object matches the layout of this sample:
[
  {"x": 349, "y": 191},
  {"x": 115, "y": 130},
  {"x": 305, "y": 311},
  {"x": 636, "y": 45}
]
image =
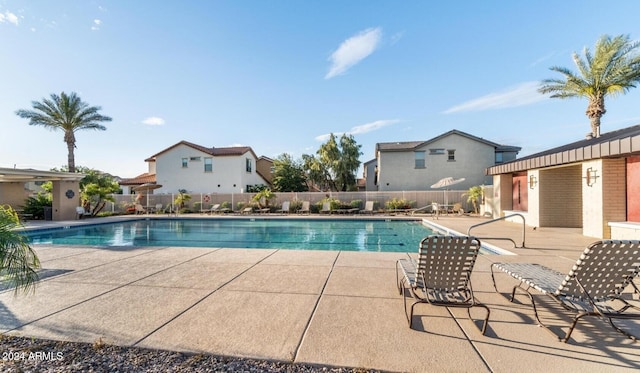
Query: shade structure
[
  {"x": 146, "y": 187},
  {"x": 445, "y": 183}
]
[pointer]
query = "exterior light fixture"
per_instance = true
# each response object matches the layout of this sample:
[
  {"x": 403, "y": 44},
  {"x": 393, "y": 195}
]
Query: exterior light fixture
[
  {"x": 591, "y": 176},
  {"x": 533, "y": 180}
]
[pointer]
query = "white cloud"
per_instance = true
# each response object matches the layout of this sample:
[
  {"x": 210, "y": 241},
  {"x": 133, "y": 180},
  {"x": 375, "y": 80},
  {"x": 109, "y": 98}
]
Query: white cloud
[
  {"x": 8, "y": 17},
  {"x": 363, "y": 128},
  {"x": 153, "y": 121},
  {"x": 520, "y": 95},
  {"x": 354, "y": 50},
  {"x": 96, "y": 25}
]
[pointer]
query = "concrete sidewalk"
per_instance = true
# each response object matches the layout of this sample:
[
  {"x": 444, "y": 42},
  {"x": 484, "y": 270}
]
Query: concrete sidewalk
[{"x": 320, "y": 307}]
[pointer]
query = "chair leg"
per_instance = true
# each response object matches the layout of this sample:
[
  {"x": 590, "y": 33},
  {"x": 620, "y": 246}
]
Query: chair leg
[
  {"x": 485, "y": 323},
  {"x": 629, "y": 335}
]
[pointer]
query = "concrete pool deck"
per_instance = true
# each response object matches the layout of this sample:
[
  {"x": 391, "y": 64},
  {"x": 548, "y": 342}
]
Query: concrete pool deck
[{"x": 319, "y": 307}]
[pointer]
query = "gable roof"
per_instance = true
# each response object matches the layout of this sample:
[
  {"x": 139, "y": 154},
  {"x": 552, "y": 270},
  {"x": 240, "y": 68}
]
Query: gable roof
[
  {"x": 140, "y": 179},
  {"x": 216, "y": 152},
  {"x": 412, "y": 145},
  {"x": 618, "y": 143}
]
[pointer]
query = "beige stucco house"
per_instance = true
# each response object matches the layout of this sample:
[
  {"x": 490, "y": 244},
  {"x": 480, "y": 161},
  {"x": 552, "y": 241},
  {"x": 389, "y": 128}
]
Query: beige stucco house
[
  {"x": 199, "y": 169},
  {"x": 592, "y": 184},
  {"x": 416, "y": 165}
]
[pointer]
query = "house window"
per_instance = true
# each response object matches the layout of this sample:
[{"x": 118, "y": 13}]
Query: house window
[
  {"x": 196, "y": 159},
  {"x": 185, "y": 162},
  {"x": 436, "y": 151},
  {"x": 208, "y": 164},
  {"x": 451, "y": 155},
  {"x": 499, "y": 158},
  {"x": 248, "y": 165},
  {"x": 419, "y": 159}
]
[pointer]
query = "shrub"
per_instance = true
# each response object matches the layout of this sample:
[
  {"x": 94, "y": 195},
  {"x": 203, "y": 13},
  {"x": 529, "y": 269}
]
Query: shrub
[
  {"x": 35, "y": 205},
  {"x": 399, "y": 204}
]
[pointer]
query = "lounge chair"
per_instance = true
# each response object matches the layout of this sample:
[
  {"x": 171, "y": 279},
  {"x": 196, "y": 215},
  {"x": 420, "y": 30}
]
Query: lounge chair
[
  {"x": 211, "y": 210},
  {"x": 158, "y": 208},
  {"x": 305, "y": 208},
  {"x": 442, "y": 275},
  {"x": 593, "y": 287},
  {"x": 82, "y": 212},
  {"x": 247, "y": 210},
  {"x": 140, "y": 209},
  {"x": 326, "y": 208},
  {"x": 285, "y": 207},
  {"x": 368, "y": 208}
]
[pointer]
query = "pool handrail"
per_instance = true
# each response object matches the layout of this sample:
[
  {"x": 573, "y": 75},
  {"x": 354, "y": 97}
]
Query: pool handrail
[{"x": 502, "y": 238}]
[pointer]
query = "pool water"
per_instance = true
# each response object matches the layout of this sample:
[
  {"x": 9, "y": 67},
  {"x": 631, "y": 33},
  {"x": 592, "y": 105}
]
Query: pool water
[{"x": 347, "y": 235}]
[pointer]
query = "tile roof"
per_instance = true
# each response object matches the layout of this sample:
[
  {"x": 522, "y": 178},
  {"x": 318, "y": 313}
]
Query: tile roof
[
  {"x": 618, "y": 143},
  {"x": 140, "y": 179}
]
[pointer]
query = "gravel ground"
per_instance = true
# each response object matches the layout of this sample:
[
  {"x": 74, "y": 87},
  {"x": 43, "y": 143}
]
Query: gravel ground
[{"x": 19, "y": 354}]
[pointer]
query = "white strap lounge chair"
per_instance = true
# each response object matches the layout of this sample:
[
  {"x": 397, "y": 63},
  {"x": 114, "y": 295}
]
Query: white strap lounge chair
[
  {"x": 285, "y": 207},
  {"x": 368, "y": 208},
  {"x": 305, "y": 208},
  {"x": 82, "y": 212},
  {"x": 593, "y": 287},
  {"x": 140, "y": 209},
  {"x": 326, "y": 208},
  {"x": 442, "y": 275}
]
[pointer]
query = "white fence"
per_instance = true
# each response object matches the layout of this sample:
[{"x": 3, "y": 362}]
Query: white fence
[{"x": 236, "y": 200}]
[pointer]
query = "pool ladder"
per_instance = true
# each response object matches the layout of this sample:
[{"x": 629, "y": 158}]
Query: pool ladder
[{"x": 501, "y": 238}]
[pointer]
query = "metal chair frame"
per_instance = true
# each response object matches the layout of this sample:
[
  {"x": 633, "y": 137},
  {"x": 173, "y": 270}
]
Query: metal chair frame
[
  {"x": 441, "y": 276},
  {"x": 593, "y": 287}
]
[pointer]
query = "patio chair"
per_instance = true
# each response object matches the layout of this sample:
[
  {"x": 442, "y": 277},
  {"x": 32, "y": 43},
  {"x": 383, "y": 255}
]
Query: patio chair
[
  {"x": 442, "y": 275},
  {"x": 326, "y": 208},
  {"x": 211, "y": 210},
  {"x": 158, "y": 208},
  {"x": 368, "y": 208},
  {"x": 247, "y": 210},
  {"x": 82, "y": 212},
  {"x": 285, "y": 207},
  {"x": 593, "y": 287},
  {"x": 305, "y": 208},
  {"x": 140, "y": 209}
]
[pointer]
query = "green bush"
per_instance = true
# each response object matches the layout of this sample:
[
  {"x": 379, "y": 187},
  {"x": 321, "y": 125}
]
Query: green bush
[
  {"x": 35, "y": 205},
  {"x": 357, "y": 204},
  {"x": 197, "y": 206},
  {"x": 295, "y": 206},
  {"x": 399, "y": 204}
]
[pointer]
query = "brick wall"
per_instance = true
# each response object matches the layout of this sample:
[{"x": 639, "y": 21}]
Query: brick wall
[{"x": 561, "y": 197}]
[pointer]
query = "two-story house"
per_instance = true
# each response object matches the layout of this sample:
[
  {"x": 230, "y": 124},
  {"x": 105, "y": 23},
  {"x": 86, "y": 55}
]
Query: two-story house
[
  {"x": 199, "y": 169},
  {"x": 416, "y": 165}
]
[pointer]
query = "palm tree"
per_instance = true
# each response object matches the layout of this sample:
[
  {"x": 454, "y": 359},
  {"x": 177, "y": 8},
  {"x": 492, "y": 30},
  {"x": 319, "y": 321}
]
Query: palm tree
[
  {"x": 613, "y": 69},
  {"x": 18, "y": 262},
  {"x": 67, "y": 113}
]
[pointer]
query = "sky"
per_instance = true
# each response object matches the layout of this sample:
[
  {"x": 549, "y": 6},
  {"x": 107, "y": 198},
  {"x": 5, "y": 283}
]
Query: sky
[{"x": 281, "y": 75}]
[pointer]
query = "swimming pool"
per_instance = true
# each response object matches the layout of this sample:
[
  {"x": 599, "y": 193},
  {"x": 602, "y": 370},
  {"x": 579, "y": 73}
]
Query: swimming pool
[{"x": 312, "y": 234}]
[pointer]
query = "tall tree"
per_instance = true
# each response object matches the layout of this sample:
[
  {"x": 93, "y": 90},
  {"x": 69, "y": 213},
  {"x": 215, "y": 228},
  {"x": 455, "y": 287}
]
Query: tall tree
[
  {"x": 67, "y": 113},
  {"x": 288, "y": 174},
  {"x": 336, "y": 163},
  {"x": 612, "y": 69}
]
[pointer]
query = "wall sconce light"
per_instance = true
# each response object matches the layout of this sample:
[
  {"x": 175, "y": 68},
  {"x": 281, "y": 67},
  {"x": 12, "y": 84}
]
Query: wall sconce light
[
  {"x": 591, "y": 176},
  {"x": 533, "y": 180}
]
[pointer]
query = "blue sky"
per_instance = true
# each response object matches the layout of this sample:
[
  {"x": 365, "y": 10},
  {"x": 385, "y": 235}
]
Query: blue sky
[{"x": 280, "y": 75}]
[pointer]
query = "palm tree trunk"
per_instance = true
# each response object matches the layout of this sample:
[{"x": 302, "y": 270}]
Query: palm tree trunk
[
  {"x": 69, "y": 138},
  {"x": 595, "y": 111}
]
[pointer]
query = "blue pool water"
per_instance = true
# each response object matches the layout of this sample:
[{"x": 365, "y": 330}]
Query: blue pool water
[{"x": 347, "y": 235}]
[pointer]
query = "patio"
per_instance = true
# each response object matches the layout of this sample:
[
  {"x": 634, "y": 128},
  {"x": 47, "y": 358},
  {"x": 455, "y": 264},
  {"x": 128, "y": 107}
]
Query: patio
[{"x": 319, "y": 307}]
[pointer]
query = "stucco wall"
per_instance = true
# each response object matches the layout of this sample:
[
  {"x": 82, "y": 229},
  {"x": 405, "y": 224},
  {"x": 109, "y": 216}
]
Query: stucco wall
[
  {"x": 228, "y": 174},
  {"x": 605, "y": 199},
  {"x": 13, "y": 194},
  {"x": 396, "y": 170}
]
